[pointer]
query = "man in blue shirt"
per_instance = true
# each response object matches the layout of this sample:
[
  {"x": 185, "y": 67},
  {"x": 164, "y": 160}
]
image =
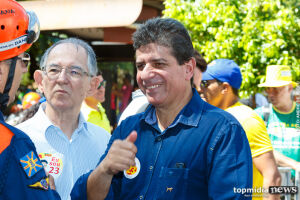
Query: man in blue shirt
[
  {"x": 22, "y": 175},
  {"x": 179, "y": 148}
]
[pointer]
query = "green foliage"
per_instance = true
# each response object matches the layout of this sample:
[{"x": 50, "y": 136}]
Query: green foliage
[
  {"x": 253, "y": 33},
  {"x": 26, "y": 80}
]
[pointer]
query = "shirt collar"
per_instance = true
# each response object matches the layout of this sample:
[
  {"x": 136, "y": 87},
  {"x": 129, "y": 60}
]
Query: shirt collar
[
  {"x": 81, "y": 122},
  {"x": 44, "y": 122},
  {"x": 41, "y": 118},
  {"x": 190, "y": 115}
]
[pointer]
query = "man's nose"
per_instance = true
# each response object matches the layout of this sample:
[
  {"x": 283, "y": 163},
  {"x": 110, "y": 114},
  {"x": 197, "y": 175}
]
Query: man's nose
[
  {"x": 24, "y": 67},
  {"x": 24, "y": 70},
  {"x": 147, "y": 72},
  {"x": 200, "y": 89},
  {"x": 62, "y": 76}
]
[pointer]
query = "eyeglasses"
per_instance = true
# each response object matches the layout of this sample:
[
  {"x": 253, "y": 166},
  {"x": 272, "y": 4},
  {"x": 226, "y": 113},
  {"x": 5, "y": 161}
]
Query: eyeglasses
[
  {"x": 205, "y": 84},
  {"x": 74, "y": 72},
  {"x": 102, "y": 84},
  {"x": 25, "y": 59}
]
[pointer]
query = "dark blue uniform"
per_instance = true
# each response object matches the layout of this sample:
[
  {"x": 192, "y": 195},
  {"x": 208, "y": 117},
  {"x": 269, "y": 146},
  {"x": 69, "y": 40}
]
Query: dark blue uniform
[{"x": 21, "y": 173}]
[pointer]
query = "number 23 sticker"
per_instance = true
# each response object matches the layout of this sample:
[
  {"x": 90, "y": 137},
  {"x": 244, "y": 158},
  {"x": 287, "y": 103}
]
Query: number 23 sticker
[
  {"x": 54, "y": 170},
  {"x": 52, "y": 163}
]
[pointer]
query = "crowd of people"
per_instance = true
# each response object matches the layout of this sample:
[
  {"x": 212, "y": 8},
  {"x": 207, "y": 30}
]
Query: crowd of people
[{"x": 184, "y": 135}]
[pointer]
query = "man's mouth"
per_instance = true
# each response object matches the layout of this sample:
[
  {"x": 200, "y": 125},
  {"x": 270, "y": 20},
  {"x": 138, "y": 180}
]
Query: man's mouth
[{"x": 152, "y": 86}]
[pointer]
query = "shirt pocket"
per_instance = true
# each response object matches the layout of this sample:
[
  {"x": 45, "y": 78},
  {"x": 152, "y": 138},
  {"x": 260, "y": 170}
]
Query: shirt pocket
[{"x": 172, "y": 183}]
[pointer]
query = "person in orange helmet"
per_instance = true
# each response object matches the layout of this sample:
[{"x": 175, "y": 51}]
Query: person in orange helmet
[{"x": 22, "y": 175}]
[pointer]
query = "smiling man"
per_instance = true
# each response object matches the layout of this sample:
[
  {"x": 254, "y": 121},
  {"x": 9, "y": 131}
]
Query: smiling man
[
  {"x": 63, "y": 138},
  {"x": 139, "y": 101},
  {"x": 180, "y": 147}
]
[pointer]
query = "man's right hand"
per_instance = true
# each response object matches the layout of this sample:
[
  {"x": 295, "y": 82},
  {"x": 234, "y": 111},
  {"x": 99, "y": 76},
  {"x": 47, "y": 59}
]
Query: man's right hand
[{"x": 121, "y": 155}]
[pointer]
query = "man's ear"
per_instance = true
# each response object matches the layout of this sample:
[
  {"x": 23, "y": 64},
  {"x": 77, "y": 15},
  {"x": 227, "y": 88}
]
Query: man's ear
[
  {"x": 189, "y": 68},
  {"x": 290, "y": 88},
  {"x": 225, "y": 87},
  {"x": 93, "y": 86},
  {"x": 38, "y": 77}
]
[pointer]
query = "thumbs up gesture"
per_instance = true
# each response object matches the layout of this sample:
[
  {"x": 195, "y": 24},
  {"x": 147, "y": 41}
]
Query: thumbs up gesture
[{"x": 120, "y": 155}]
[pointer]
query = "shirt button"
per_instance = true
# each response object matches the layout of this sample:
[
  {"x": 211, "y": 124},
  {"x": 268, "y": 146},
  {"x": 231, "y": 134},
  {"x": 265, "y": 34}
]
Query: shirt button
[
  {"x": 159, "y": 139},
  {"x": 141, "y": 197},
  {"x": 151, "y": 167}
]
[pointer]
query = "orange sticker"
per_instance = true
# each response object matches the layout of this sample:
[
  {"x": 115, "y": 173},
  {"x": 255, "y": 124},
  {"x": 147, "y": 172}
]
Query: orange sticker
[{"x": 133, "y": 171}]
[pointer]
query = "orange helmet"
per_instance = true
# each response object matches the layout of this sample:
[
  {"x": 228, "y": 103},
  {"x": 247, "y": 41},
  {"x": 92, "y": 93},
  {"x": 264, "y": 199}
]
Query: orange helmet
[
  {"x": 30, "y": 99},
  {"x": 18, "y": 29}
]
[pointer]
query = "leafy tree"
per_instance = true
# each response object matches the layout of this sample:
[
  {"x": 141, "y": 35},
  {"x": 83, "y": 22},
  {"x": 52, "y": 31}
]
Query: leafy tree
[{"x": 254, "y": 33}]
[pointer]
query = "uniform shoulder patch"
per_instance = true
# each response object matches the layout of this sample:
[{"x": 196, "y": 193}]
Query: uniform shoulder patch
[{"x": 31, "y": 164}]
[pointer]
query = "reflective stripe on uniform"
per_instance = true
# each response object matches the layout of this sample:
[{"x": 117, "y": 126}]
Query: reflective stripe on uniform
[{"x": 5, "y": 137}]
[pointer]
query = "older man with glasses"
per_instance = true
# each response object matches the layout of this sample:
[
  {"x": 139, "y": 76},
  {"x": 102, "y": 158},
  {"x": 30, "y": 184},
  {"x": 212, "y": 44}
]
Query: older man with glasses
[
  {"x": 64, "y": 140},
  {"x": 92, "y": 108}
]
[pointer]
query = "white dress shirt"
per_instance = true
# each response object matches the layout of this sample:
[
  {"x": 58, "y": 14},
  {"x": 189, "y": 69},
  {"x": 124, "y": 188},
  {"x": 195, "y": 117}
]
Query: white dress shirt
[{"x": 66, "y": 160}]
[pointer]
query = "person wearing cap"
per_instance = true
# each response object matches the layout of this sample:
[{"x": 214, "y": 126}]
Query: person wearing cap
[
  {"x": 92, "y": 108},
  {"x": 22, "y": 175},
  {"x": 179, "y": 148},
  {"x": 219, "y": 87},
  {"x": 71, "y": 145},
  {"x": 282, "y": 116}
]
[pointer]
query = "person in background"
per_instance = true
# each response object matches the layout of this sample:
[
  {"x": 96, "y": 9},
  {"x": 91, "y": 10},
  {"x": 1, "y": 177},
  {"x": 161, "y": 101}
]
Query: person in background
[
  {"x": 113, "y": 106},
  {"x": 220, "y": 84},
  {"x": 71, "y": 145},
  {"x": 28, "y": 109},
  {"x": 296, "y": 94},
  {"x": 255, "y": 101},
  {"x": 201, "y": 66},
  {"x": 179, "y": 148},
  {"x": 124, "y": 94},
  {"x": 22, "y": 175},
  {"x": 139, "y": 101},
  {"x": 30, "y": 99},
  {"x": 92, "y": 109},
  {"x": 282, "y": 116}
]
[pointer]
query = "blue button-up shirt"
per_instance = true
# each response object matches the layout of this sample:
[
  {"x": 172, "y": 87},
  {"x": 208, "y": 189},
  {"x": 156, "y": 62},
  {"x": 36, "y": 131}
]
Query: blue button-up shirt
[{"x": 203, "y": 154}]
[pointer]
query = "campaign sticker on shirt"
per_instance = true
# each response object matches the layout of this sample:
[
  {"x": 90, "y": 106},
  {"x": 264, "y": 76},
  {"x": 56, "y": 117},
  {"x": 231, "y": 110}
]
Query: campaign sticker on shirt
[
  {"x": 53, "y": 163},
  {"x": 133, "y": 171}
]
